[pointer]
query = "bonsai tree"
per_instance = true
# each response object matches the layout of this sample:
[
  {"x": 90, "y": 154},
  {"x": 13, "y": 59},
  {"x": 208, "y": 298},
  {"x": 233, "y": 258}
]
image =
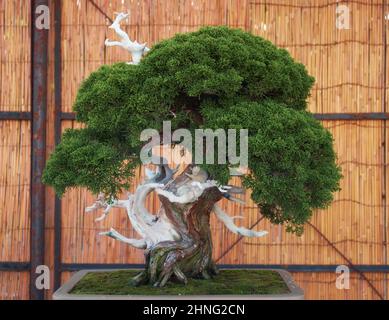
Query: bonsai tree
[{"x": 214, "y": 78}]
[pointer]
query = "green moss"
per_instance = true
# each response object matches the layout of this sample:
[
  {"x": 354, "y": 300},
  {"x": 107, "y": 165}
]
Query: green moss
[{"x": 227, "y": 282}]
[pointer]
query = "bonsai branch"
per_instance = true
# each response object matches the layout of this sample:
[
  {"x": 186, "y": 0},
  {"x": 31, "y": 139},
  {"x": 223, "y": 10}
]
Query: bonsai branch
[
  {"x": 137, "y": 243},
  {"x": 229, "y": 223}
]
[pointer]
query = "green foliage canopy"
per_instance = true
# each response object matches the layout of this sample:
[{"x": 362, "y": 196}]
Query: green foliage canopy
[{"x": 214, "y": 78}]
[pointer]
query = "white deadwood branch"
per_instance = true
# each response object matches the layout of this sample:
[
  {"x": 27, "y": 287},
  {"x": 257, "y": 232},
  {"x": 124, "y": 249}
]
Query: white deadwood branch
[
  {"x": 140, "y": 200},
  {"x": 229, "y": 223},
  {"x": 136, "y": 49},
  {"x": 137, "y": 243},
  {"x": 187, "y": 193},
  {"x": 102, "y": 203}
]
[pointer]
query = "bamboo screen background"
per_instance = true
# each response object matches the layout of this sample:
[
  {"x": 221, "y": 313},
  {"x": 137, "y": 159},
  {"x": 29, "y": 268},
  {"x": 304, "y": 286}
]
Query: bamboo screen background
[{"x": 349, "y": 67}]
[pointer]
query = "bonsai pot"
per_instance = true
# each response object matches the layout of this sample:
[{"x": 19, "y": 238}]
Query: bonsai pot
[{"x": 248, "y": 284}]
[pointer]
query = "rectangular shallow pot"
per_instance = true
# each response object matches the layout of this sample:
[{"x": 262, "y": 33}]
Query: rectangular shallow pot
[{"x": 63, "y": 293}]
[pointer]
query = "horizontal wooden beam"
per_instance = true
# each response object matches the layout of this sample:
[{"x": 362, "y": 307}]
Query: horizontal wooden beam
[
  {"x": 352, "y": 116},
  {"x": 290, "y": 267},
  {"x": 99, "y": 266},
  {"x": 15, "y": 115},
  {"x": 25, "y": 266},
  {"x": 68, "y": 116},
  {"x": 14, "y": 266},
  {"x": 319, "y": 116}
]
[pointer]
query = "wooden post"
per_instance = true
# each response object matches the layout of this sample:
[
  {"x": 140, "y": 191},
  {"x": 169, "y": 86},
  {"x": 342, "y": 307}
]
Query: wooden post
[{"x": 39, "y": 45}]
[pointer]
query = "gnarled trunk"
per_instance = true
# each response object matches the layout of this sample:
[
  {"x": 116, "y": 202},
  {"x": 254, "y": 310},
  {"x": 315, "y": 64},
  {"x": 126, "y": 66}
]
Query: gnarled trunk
[{"x": 191, "y": 254}]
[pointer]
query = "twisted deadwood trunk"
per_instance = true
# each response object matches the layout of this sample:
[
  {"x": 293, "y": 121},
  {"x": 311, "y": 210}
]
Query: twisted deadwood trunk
[
  {"x": 177, "y": 241},
  {"x": 191, "y": 254}
]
